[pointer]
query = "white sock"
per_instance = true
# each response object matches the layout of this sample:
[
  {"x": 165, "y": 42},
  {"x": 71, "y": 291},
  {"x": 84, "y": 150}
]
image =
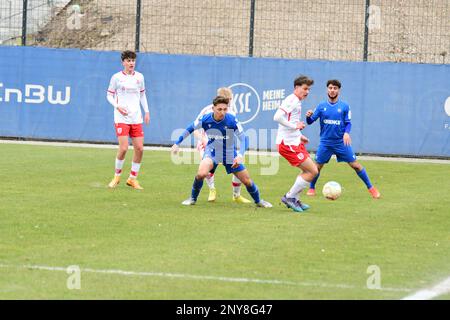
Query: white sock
[
  {"x": 210, "y": 180},
  {"x": 236, "y": 183},
  {"x": 298, "y": 187},
  {"x": 134, "y": 170},
  {"x": 119, "y": 166}
]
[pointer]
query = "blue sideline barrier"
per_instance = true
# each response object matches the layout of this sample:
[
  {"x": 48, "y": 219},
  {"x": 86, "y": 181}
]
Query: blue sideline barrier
[{"x": 60, "y": 94}]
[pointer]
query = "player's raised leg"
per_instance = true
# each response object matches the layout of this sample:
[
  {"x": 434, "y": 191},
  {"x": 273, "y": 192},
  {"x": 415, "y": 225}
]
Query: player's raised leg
[
  {"x": 362, "y": 174},
  {"x": 312, "y": 185},
  {"x": 138, "y": 145},
  {"x": 237, "y": 197},
  {"x": 206, "y": 165},
  {"x": 292, "y": 198},
  {"x": 120, "y": 159},
  {"x": 252, "y": 188}
]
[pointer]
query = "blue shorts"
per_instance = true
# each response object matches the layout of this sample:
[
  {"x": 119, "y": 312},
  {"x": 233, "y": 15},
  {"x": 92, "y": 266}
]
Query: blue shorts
[
  {"x": 343, "y": 153},
  {"x": 228, "y": 167}
]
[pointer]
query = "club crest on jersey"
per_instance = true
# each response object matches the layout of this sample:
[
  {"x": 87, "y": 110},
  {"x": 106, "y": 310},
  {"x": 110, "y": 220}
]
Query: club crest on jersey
[
  {"x": 339, "y": 110},
  {"x": 209, "y": 125},
  {"x": 324, "y": 109}
]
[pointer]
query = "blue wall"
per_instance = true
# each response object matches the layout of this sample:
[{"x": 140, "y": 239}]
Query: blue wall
[{"x": 396, "y": 108}]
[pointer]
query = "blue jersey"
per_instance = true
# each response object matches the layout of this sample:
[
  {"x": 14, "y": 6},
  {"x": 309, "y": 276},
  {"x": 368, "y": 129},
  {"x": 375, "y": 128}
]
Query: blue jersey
[
  {"x": 334, "y": 117},
  {"x": 221, "y": 136}
]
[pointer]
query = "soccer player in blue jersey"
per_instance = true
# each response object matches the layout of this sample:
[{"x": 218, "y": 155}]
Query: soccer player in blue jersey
[
  {"x": 335, "y": 126},
  {"x": 220, "y": 128}
]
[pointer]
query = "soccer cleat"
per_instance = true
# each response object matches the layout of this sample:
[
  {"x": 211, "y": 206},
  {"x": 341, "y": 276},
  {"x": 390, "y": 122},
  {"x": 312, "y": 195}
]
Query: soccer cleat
[
  {"x": 114, "y": 182},
  {"x": 311, "y": 192},
  {"x": 375, "y": 193},
  {"x": 188, "y": 202},
  {"x": 302, "y": 205},
  {"x": 241, "y": 199},
  {"x": 212, "y": 194},
  {"x": 134, "y": 184},
  {"x": 264, "y": 204},
  {"x": 291, "y": 203}
]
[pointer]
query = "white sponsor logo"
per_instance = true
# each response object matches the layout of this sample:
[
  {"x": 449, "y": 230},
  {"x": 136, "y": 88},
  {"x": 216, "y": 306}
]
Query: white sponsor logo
[
  {"x": 35, "y": 93},
  {"x": 329, "y": 121},
  {"x": 246, "y": 102},
  {"x": 216, "y": 137}
]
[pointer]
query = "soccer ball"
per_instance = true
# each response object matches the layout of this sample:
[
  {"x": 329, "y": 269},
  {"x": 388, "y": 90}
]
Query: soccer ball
[{"x": 332, "y": 190}]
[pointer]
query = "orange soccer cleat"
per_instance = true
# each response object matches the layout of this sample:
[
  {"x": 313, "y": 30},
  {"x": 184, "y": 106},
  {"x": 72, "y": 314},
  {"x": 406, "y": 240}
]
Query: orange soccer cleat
[
  {"x": 114, "y": 182},
  {"x": 134, "y": 184},
  {"x": 375, "y": 193}
]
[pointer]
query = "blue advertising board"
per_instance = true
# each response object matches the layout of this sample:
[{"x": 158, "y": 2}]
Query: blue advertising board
[{"x": 60, "y": 94}]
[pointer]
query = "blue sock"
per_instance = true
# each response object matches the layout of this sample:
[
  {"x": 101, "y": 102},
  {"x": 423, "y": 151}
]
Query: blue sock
[
  {"x": 254, "y": 192},
  {"x": 364, "y": 177},
  {"x": 312, "y": 185},
  {"x": 196, "y": 187}
]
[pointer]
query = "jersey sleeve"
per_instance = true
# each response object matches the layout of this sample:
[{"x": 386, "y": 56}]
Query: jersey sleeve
[
  {"x": 287, "y": 106},
  {"x": 191, "y": 128},
  {"x": 243, "y": 140},
  {"x": 316, "y": 114},
  {"x": 142, "y": 85},
  {"x": 112, "y": 85},
  {"x": 197, "y": 124},
  {"x": 347, "y": 115},
  {"x": 237, "y": 126}
]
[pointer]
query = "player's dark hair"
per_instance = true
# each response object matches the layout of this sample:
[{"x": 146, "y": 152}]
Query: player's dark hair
[
  {"x": 128, "y": 54},
  {"x": 301, "y": 80},
  {"x": 334, "y": 82},
  {"x": 220, "y": 99}
]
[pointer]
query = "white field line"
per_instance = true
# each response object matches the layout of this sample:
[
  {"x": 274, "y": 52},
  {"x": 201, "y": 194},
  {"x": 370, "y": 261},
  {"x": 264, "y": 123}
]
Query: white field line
[
  {"x": 427, "y": 294},
  {"x": 201, "y": 277},
  {"x": 259, "y": 153}
]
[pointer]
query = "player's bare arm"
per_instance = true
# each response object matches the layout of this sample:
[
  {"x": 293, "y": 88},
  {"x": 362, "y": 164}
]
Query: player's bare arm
[
  {"x": 122, "y": 110},
  {"x": 347, "y": 139}
]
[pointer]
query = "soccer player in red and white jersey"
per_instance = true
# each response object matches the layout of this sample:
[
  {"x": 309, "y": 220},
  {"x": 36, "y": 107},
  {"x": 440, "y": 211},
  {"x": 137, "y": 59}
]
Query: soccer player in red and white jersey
[
  {"x": 291, "y": 142},
  {"x": 203, "y": 140},
  {"x": 126, "y": 93}
]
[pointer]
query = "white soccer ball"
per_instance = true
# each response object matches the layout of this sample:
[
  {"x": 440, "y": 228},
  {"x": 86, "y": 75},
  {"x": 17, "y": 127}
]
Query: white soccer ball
[{"x": 332, "y": 190}]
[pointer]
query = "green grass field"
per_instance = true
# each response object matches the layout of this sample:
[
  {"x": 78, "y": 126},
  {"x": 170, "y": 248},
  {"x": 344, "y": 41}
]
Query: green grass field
[{"x": 56, "y": 211}]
